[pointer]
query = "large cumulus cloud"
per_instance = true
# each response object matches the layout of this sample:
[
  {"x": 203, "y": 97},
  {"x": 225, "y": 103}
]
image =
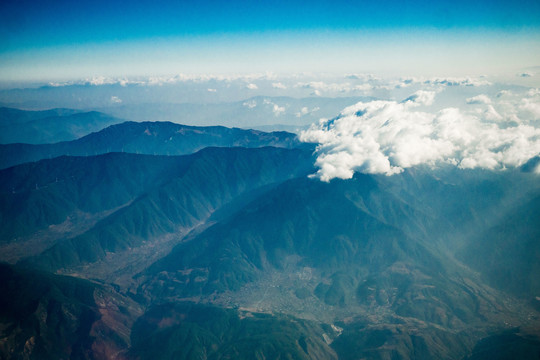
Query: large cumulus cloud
[{"x": 385, "y": 137}]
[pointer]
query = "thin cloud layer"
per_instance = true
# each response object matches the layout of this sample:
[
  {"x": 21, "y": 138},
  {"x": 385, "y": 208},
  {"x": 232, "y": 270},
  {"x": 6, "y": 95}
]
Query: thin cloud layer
[
  {"x": 386, "y": 137},
  {"x": 478, "y": 99}
]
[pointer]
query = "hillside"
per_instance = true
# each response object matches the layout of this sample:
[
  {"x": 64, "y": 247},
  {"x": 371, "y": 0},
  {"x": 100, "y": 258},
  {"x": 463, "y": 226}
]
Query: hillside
[
  {"x": 185, "y": 192},
  {"x": 234, "y": 252},
  {"x": 153, "y": 138},
  {"x": 44, "y": 316}
]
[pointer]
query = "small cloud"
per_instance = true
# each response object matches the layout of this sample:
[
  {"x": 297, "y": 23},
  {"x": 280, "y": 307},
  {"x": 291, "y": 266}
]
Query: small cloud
[
  {"x": 363, "y": 87},
  {"x": 278, "y": 110},
  {"x": 467, "y": 81},
  {"x": 479, "y": 99},
  {"x": 491, "y": 114},
  {"x": 363, "y": 77},
  {"x": 305, "y": 111},
  {"x": 503, "y": 93},
  {"x": 212, "y": 90},
  {"x": 302, "y": 112},
  {"x": 278, "y": 86},
  {"x": 533, "y": 92},
  {"x": 421, "y": 97},
  {"x": 100, "y": 80},
  {"x": 314, "y": 85},
  {"x": 252, "y": 86},
  {"x": 250, "y": 104},
  {"x": 531, "y": 106},
  {"x": 116, "y": 99}
]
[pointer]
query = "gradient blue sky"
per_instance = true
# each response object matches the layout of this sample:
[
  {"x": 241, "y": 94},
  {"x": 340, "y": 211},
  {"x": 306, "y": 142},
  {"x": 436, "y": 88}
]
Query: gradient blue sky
[{"x": 48, "y": 40}]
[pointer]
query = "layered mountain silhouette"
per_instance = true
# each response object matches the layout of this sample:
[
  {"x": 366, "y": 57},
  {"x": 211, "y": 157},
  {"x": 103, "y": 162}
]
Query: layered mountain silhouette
[
  {"x": 153, "y": 138},
  {"x": 49, "y": 126},
  {"x": 132, "y": 198},
  {"x": 235, "y": 252}
]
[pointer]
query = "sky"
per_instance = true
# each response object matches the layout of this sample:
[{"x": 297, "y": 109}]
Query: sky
[{"x": 65, "y": 39}]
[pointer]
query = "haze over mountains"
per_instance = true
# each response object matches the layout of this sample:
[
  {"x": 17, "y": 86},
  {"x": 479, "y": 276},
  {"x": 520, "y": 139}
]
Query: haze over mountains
[
  {"x": 49, "y": 126},
  {"x": 154, "y": 138},
  {"x": 145, "y": 240},
  {"x": 270, "y": 180}
]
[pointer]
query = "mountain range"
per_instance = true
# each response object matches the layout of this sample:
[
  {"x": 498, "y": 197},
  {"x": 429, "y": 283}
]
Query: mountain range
[
  {"x": 153, "y": 138},
  {"x": 222, "y": 246},
  {"x": 49, "y": 126}
]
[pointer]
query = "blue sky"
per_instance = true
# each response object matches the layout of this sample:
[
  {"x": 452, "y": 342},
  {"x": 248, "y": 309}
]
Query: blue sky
[{"x": 67, "y": 39}]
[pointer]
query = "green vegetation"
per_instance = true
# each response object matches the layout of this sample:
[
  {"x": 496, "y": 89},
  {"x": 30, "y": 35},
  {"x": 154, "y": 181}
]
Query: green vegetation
[
  {"x": 191, "y": 331},
  {"x": 235, "y": 253}
]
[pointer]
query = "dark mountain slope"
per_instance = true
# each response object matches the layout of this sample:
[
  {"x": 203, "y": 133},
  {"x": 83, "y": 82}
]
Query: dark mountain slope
[
  {"x": 154, "y": 138},
  {"x": 353, "y": 253},
  {"x": 37, "y": 195},
  {"x": 44, "y": 316},
  {"x": 516, "y": 343},
  {"x": 190, "y": 331},
  {"x": 348, "y": 255},
  {"x": 50, "y": 126},
  {"x": 214, "y": 177}
]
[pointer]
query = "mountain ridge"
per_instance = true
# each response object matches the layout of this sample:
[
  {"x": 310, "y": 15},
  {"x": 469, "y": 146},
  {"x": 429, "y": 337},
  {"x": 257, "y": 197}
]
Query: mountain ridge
[
  {"x": 211, "y": 178},
  {"x": 49, "y": 126},
  {"x": 153, "y": 138}
]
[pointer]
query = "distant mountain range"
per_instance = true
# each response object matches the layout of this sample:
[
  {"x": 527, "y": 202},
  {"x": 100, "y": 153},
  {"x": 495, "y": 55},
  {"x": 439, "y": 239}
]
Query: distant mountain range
[
  {"x": 262, "y": 112},
  {"x": 192, "y": 105},
  {"x": 231, "y": 251},
  {"x": 154, "y": 138},
  {"x": 49, "y": 126}
]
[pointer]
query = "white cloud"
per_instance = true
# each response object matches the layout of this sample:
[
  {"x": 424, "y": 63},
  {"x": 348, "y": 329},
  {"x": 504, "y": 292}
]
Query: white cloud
[
  {"x": 302, "y": 112},
  {"x": 278, "y": 86},
  {"x": 278, "y": 110},
  {"x": 385, "y": 137},
  {"x": 479, "y": 99},
  {"x": 363, "y": 88},
  {"x": 305, "y": 111},
  {"x": 116, "y": 99},
  {"x": 100, "y": 80},
  {"x": 166, "y": 79},
  {"x": 320, "y": 86},
  {"x": 463, "y": 81},
  {"x": 531, "y": 106},
  {"x": 533, "y": 92},
  {"x": 537, "y": 171},
  {"x": 212, "y": 90},
  {"x": 503, "y": 93},
  {"x": 491, "y": 114},
  {"x": 404, "y": 83},
  {"x": 421, "y": 97},
  {"x": 250, "y": 104},
  {"x": 252, "y": 86}
]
